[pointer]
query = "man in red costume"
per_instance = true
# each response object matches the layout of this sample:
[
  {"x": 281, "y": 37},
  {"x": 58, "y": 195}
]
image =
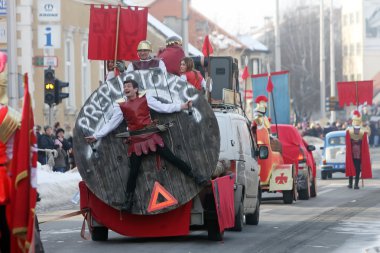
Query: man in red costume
[
  {"x": 134, "y": 109},
  {"x": 172, "y": 54},
  {"x": 357, "y": 151}
]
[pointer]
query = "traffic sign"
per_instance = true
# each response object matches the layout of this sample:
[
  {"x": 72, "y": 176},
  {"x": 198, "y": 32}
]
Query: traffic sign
[{"x": 45, "y": 61}]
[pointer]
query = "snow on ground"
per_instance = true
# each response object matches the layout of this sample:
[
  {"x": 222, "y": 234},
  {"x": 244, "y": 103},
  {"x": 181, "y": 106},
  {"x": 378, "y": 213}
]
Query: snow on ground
[{"x": 56, "y": 189}]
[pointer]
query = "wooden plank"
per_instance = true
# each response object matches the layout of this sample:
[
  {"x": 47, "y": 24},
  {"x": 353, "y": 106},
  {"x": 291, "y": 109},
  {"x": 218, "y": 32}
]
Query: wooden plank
[{"x": 195, "y": 139}]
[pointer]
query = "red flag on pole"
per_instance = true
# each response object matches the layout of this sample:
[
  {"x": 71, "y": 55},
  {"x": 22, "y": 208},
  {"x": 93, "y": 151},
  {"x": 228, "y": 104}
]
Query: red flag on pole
[
  {"x": 245, "y": 74},
  {"x": 23, "y": 172},
  {"x": 270, "y": 84},
  {"x": 207, "y": 47},
  {"x": 133, "y": 24}
]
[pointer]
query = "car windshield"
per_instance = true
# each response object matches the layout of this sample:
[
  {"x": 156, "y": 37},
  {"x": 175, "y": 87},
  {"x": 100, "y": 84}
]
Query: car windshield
[{"x": 338, "y": 140}]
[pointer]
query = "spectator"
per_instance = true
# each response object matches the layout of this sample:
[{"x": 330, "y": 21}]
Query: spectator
[
  {"x": 62, "y": 147},
  {"x": 46, "y": 141}
]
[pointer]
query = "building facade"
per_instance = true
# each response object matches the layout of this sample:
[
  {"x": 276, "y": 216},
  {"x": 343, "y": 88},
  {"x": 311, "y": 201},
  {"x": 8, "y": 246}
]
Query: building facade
[{"x": 361, "y": 39}]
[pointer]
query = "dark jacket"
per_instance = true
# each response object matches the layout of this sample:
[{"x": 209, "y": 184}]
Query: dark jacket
[{"x": 44, "y": 142}]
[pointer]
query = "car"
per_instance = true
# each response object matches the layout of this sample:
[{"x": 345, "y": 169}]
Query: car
[
  {"x": 238, "y": 153},
  {"x": 333, "y": 154},
  {"x": 296, "y": 150}
]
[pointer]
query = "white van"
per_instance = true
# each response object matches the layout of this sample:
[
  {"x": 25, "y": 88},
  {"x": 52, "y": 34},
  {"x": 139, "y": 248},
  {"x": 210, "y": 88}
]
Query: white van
[{"x": 237, "y": 154}]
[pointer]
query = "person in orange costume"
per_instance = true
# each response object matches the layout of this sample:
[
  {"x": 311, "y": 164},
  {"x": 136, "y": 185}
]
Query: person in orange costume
[{"x": 357, "y": 151}]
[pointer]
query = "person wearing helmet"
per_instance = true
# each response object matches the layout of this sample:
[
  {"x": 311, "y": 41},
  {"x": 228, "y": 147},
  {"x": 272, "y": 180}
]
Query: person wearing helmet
[
  {"x": 172, "y": 54},
  {"x": 146, "y": 60},
  {"x": 357, "y": 151}
]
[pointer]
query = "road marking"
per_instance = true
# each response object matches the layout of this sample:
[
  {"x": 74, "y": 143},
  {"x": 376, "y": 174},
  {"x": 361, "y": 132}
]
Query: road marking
[
  {"x": 325, "y": 191},
  {"x": 265, "y": 210}
]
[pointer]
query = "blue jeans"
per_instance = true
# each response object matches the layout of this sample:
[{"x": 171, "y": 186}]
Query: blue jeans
[{"x": 59, "y": 169}]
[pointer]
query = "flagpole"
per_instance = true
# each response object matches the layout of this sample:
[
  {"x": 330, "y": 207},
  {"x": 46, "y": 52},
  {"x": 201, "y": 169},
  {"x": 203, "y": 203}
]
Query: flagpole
[
  {"x": 272, "y": 98},
  {"x": 117, "y": 36},
  {"x": 209, "y": 74}
]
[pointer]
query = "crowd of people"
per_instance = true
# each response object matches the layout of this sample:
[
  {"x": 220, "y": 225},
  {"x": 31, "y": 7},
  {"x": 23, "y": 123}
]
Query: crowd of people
[
  {"x": 55, "y": 147},
  {"x": 371, "y": 118}
]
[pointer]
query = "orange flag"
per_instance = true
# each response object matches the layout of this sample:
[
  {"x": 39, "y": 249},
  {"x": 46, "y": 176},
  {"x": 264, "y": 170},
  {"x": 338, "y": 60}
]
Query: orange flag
[{"x": 23, "y": 173}]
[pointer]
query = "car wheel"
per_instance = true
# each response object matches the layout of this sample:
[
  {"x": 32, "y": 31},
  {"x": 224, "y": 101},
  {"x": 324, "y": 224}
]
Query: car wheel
[
  {"x": 287, "y": 196},
  {"x": 253, "y": 219},
  {"x": 313, "y": 188},
  {"x": 99, "y": 234},
  {"x": 239, "y": 219},
  {"x": 304, "y": 194},
  {"x": 323, "y": 175}
]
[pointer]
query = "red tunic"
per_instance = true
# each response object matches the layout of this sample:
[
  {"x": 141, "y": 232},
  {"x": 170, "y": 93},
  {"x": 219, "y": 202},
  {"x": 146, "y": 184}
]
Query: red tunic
[
  {"x": 4, "y": 178},
  {"x": 136, "y": 114},
  {"x": 172, "y": 57},
  {"x": 364, "y": 159},
  {"x": 195, "y": 78}
]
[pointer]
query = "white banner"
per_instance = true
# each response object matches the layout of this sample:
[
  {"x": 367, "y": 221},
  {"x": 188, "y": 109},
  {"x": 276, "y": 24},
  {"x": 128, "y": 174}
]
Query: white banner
[{"x": 49, "y": 10}]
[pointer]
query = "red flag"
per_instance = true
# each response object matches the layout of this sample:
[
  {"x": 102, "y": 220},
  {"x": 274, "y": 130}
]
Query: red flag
[
  {"x": 355, "y": 92},
  {"x": 245, "y": 74},
  {"x": 23, "y": 172},
  {"x": 133, "y": 24},
  {"x": 270, "y": 84},
  {"x": 207, "y": 47}
]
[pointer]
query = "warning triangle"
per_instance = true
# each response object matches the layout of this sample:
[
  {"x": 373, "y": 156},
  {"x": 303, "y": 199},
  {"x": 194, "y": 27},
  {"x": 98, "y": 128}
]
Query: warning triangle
[{"x": 169, "y": 200}]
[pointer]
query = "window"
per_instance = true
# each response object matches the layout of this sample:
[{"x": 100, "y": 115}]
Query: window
[
  {"x": 352, "y": 77},
  {"x": 351, "y": 18},
  {"x": 358, "y": 49},
  {"x": 344, "y": 20},
  {"x": 345, "y": 50},
  {"x": 339, "y": 140},
  {"x": 359, "y": 77},
  {"x": 352, "y": 49},
  {"x": 85, "y": 78},
  {"x": 255, "y": 66},
  {"x": 357, "y": 17}
]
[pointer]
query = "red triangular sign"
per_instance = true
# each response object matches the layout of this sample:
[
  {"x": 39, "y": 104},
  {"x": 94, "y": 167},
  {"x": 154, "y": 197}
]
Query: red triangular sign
[{"x": 153, "y": 203}]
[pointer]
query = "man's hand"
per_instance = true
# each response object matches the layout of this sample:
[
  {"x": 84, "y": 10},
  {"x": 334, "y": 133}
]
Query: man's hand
[
  {"x": 187, "y": 105},
  {"x": 90, "y": 139},
  {"x": 120, "y": 66}
]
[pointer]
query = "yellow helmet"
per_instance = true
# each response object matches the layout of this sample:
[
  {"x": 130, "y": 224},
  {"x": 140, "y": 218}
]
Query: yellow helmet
[
  {"x": 144, "y": 45},
  {"x": 356, "y": 119}
]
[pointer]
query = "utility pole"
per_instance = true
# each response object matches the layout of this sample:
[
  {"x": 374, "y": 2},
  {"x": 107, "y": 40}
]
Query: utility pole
[
  {"x": 185, "y": 27},
  {"x": 322, "y": 60},
  {"x": 12, "y": 55},
  {"x": 332, "y": 59},
  {"x": 277, "y": 38}
]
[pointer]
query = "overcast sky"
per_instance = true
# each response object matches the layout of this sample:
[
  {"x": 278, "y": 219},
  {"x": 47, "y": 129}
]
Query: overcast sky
[{"x": 237, "y": 15}]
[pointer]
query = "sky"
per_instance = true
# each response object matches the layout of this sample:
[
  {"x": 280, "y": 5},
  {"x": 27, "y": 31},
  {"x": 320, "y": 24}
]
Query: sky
[{"x": 236, "y": 17}]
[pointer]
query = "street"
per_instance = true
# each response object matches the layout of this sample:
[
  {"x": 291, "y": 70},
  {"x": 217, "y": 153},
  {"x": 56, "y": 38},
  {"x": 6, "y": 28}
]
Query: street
[{"x": 337, "y": 220}]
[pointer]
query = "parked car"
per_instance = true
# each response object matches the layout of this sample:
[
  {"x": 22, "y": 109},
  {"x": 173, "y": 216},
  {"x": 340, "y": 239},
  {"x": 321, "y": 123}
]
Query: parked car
[
  {"x": 333, "y": 154},
  {"x": 297, "y": 151}
]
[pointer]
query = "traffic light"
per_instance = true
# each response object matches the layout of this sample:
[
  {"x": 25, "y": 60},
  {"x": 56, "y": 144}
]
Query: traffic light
[
  {"x": 59, "y": 95},
  {"x": 49, "y": 86},
  {"x": 332, "y": 104}
]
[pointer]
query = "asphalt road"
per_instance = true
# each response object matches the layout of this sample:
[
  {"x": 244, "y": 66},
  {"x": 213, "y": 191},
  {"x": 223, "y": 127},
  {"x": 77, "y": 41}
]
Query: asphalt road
[{"x": 337, "y": 220}]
